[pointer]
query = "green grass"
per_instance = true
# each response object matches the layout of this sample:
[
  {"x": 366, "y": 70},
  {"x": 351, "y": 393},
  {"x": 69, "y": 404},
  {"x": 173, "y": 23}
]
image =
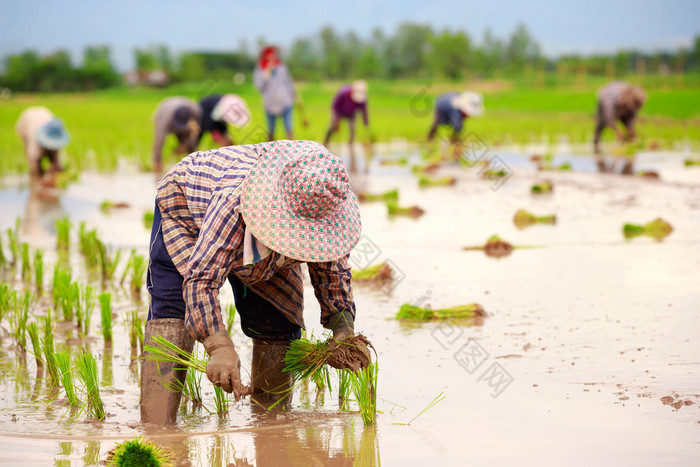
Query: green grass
[{"x": 113, "y": 124}]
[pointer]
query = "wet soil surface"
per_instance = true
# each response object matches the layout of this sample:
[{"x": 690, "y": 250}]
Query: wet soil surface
[{"x": 589, "y": 354}]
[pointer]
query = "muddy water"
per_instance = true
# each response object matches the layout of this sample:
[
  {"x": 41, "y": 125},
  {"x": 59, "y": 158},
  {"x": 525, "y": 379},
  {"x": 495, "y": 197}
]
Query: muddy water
[{"x": 586, "y": 332}]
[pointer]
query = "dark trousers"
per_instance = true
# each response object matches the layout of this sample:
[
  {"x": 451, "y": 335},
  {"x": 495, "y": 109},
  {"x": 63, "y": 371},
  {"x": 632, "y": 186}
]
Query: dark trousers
[{"x": 259, "y": 318}]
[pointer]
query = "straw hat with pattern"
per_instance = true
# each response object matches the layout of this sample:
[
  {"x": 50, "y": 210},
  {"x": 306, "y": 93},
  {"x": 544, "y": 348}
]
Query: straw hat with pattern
[{"x": 297, "y": 200}]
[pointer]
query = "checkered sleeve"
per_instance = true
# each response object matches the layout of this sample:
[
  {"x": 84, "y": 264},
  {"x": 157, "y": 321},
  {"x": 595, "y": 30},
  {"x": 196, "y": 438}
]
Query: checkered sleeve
[
  {"x": 209, "y": 266},
  {"x": 331, "y": 282}
]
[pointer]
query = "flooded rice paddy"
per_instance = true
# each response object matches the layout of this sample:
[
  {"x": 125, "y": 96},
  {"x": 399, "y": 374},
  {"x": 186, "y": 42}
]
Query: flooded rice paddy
[{"x": 588, "y": 355}]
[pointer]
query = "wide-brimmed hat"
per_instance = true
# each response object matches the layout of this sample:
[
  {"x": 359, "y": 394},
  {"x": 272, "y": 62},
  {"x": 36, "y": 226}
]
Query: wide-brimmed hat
[
  {"x": 231, "y": 109},
  {"x": 52, "y": 135},
  {"x": 471, "y": 103},
  {"x": 358, "y": 91},
  {"x": 297, "y": 200}
]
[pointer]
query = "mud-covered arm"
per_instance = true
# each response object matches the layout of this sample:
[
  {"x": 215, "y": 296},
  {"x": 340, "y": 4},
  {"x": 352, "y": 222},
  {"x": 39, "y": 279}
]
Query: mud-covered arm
[
  {"x": 209, "y": 266},
  {"x": 332, "y": 286}
]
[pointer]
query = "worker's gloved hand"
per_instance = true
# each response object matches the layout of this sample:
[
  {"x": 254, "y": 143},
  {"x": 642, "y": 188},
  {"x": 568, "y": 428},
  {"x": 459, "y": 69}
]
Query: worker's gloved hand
[
  {"x": 346, "y": 352},
  {"x": 224, "y": 368}
]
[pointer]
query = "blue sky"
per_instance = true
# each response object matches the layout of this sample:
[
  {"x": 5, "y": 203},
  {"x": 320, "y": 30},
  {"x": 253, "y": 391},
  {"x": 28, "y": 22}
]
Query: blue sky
[{"x": 559, "y": 26}]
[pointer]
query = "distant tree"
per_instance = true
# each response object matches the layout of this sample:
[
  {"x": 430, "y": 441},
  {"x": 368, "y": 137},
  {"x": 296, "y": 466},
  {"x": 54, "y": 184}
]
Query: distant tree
[
  {"x": 696, "y": 51},
  {"x": 97, "y": 70},
  {"x": 451, "y": 54},
  {"x": 407, "y": 52},
  {"x": 146, "y": 60},
  {"x": 332, "y": 51},
  {"x": 522, "y": 48},
  {"x": 191, "y": 68},
  {"x": 303, "y": 59}
]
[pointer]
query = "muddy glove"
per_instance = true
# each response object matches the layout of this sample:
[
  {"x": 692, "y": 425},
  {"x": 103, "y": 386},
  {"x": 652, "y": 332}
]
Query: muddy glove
[
  {"x": 224, "y": 368},
  {"x": 347, "y": 351}
]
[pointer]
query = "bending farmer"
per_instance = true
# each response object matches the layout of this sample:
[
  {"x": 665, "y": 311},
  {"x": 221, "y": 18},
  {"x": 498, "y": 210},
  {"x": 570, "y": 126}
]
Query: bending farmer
[
  {"x": 452, "y": 108},
  {"x": 618, "y": 101},
  {"x": 43, "y": 135},
  {"x": 180, "y": 116},
  {"x": 250, "y": 215},
  {"x": 217, "y": 111}
]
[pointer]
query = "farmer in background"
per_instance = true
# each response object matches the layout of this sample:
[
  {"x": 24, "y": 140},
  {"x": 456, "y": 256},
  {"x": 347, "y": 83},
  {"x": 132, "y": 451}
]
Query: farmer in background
[
  {"x": 250, "y": 215},
  {"x": 43, "y": 135},
  {"x": 452, "y": 108},
  {"x": 218, "y": 110},
  {"x": 179, "y": 116},
  {"x": 618, "y": 101},
  {"x": 273, "y": 80},
  {"x": 350, "y": 99}
]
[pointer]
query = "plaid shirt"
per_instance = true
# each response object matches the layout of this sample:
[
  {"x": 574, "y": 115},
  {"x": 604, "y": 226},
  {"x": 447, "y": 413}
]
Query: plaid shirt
[{"x": 203, "y": 232}]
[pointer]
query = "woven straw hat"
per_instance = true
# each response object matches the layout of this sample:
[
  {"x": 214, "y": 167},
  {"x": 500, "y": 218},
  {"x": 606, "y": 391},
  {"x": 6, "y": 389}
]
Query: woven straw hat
[
  {"x": 297, "y": 200},
  {"x": 231, "y": 109}
]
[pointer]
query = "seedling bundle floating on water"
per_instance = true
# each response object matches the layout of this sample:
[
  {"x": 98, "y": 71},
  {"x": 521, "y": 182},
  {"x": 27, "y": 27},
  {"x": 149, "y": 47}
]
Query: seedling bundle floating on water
[
  {"x": 425, "y": 181},
  {"x": 494, "y": 247},
  {"x": 378, "y": 274},
  {"x": 472, "y": 311},
  {"x": 524, "y": 219},
  {"x": 391, "y": 195},
  {"x": 658, "y": 229},
  {"x": 393, "y": 209},
  {"x": 542, "y": 187}
]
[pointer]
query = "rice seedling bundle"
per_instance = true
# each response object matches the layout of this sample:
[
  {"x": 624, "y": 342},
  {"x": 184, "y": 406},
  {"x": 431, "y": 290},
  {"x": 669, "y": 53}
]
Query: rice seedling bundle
[
  {"x": 523, "y": 218},
  {"x": 106, "y": 315},
  {"x": 416, "y": 313},
  {"x": 49, "y": 351},
  {"x": 64, "y": 366},
  {"x": 364, "y": 387},
  {"x": 63, "y": 234},
  {"x": 139, "y": 452},
  {"x": 658, "y": 229},
  {"x": 39, "y": 270},
  {"x": 13, "y": 242},
  {"x": 33, "y": 333},
  {"x": 426, "y": 181},
  {"x": 86, "y": 367},
  {"x": 135, "y": 325},
  {"x": 20, "y": 317},
  {"x": 26, "y": 262}
]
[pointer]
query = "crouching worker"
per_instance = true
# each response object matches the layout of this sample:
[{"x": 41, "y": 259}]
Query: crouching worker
[
  {"x": 179, "y": 116},
  {"x": 43, "y": 135},
  {"x": 452, "y": 108},
  {"x": 218, "y": 110},
  {"x": 251, "y": 215}
]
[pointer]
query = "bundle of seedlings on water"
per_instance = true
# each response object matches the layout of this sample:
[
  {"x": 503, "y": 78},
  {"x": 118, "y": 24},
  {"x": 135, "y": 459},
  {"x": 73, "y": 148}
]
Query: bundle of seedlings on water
[
  {"x": 64, "y": 367},
  {"x": 26, "y": 262},
  {"x": 86, "y": 368},
  {"x": 523, "y": 218},
  {"x": 108, "y": 261},
  {"x": 135, "y": 325},
  {"x": 658, "y": 229},
  {"x": 20, "y": 317},
  {"x": 85, "y": 307},
  {"x": 39, "y": 270},
  {"x": 542, "y": 187},
  {"x": 426, "y": 181},
  {"x": 393, "y": 209},
  {"x": 107, "y": 206},
  {"x": 105, "y": 299},
  {"x": 148, "y": 220},
  {"x": 691, "y": 162},
  {"x": 52, "y": 372},
  {"x": 139, "y": 452},
  {"x": 428, "y": 166},
  {"x": 490, "y": 174},
  {"x": 63, "y": 234},
  {"x": 13, "y": 242},
  {"x": 379, "y": 273},
  {"x": 364, "y": 387},
  {"x": 33, "y": 333},
  {"x": 391, "y": 195},
  {"x": 410, "y": 312},
  {"x": 495, "y": 247},
  {"x": 230, "y": 318}
]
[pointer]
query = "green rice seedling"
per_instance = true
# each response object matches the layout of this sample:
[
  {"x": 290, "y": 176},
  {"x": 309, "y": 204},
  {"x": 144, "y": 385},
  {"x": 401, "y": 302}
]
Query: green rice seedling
[
  {"x": 108, "y": 262},
  {"x": 39, "y": 270},
  {"x": 60, "y": 284},
  {"x": 87, "y": 306},
  {"x": 33, "y": 333},
  {"x": 49, "y": 351},
  {"x": 378, "y": 273},
  {"x": 106, "y": 314},
  {"x": 523, "y": 218},
  {"x": 542, "y": 187},
  {"x": 148, "y": 220},
  {"x": 657, "y": 229},
  {"x": 135, "y": 325},
  {"x": 393, "y": 209},
  {"x": 8, "y": 297},
  {"x": 63, "y": 233},
  {"x": 364, "y": 387},
  {"x": 344, "y": 388},
  {"x": 3, "y": 260},
  {"x": 221, "y": 400},
  {"x": 425, "y": 181},
  {"x": 230, "y": 318},
  {"x": 165, "y": 351},
  {"x": 13, "y": 242},
  {"x": 415, "y": 313},
  {"x": 391, "y": 195},
  {"x": 193, "y": 387},
  {"x": 89, "y": 246},
  {"x": 495, "y": 247},
  {"x": 139, "y": 452},
  {"x": 137, "y": 266},
  {"x": 86, "y": 367},
  {"x": 439, "y": 398},
  {"x": 26, "y": 262},
  {"x": 20, "y": 316},
  {"x": 64, "y": 366},
  {"x": 691, "y": 162},
  {"x": 490, "y": 174}
]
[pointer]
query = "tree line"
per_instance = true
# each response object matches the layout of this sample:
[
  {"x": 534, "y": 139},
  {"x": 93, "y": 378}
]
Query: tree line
[{"x": 412, "y": 51}]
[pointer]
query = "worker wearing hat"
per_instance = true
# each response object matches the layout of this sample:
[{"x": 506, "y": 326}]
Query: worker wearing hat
[
  {"x": 181, "y": 117},
  {"x": 219, "y": 111},
  {"x": 452, "y": 108},
  {"x": 43, "y": 135}
]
